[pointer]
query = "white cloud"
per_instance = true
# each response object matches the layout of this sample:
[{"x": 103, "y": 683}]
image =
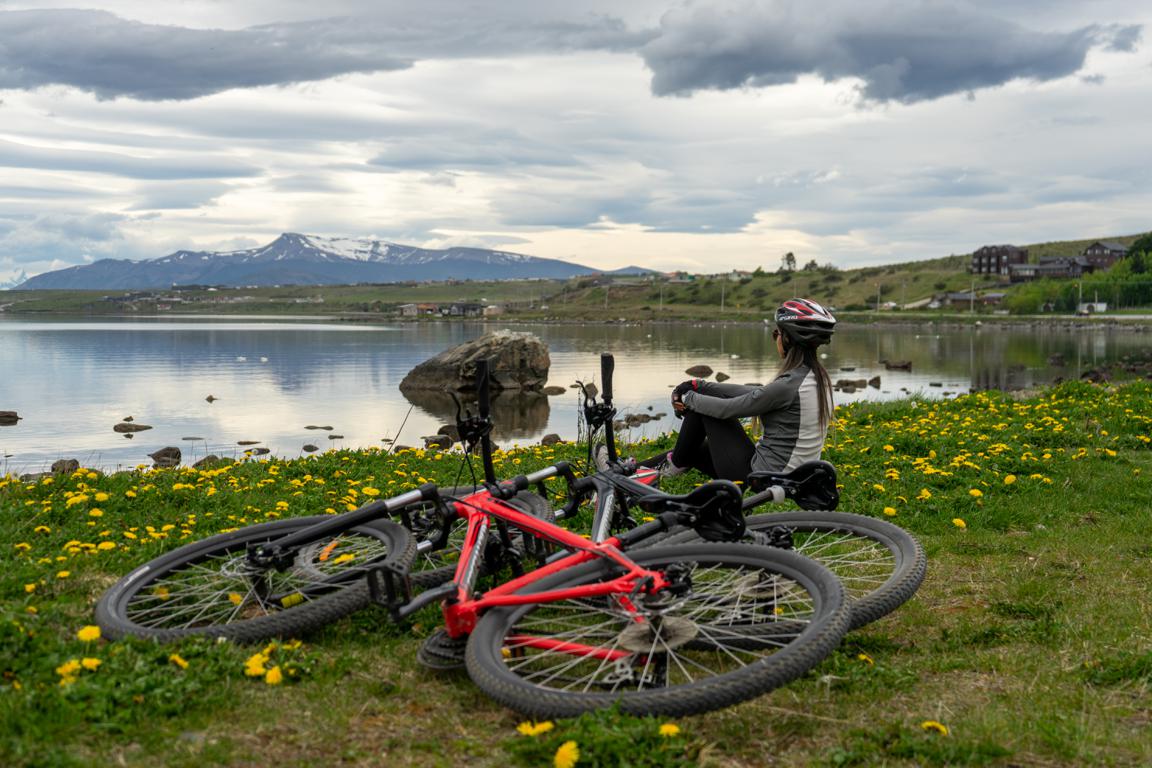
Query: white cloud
[{"x": 535, "y": 126}]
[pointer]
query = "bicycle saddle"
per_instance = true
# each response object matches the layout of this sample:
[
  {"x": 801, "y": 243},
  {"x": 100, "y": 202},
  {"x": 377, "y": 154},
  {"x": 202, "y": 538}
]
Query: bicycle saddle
[
  {"x": 715, "y": 508},
  {"x": 812, "y": 485}
]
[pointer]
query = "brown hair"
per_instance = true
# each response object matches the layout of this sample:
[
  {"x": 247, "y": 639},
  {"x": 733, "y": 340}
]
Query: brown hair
[{"x": 796, "y": 356}]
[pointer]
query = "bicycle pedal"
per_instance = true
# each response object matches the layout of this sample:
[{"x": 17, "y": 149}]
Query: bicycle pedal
[
  {"x": 389, "y": 586},
  {"x": 442, "y": 652}
]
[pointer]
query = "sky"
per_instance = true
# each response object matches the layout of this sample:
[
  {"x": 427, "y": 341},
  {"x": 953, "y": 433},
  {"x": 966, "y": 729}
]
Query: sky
[{"x": 701, "y": 135}]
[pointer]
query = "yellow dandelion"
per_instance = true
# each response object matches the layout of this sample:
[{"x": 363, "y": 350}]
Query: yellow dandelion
[
  {"x": 254, "y": 666},
  {"x": 274, "y": 676},
  {"x": 88, "y": 633},
  {"x": 567, "y": 755},
  {"x": 91, "y": 664},
  {"x": 877, "y": 487},
  {"x": 534, "y": 729},
  {"x": 1009, "y": 479},
  {"x": 29, "y": 588},
  {"x": 63, "y": 574},
  {"x": 669, "y": 729},
  {"x": 975, "y": 493},
  {"x": 68, "y": 668},
  {"x": 959, "y": 522},
  {"x": 100, "y": 496},
  {"x": 890, "y": 511},
  {"x": 932, "y": 725},
  {"x": 96, "y": 512},
  {"x": 178, "y": 660}
]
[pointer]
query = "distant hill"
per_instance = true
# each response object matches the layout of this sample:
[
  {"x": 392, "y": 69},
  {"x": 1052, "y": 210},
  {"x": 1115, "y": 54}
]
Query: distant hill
[{"x": 296, "y": 259}]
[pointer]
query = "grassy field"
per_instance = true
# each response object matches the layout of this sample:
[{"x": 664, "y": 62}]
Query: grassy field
[{"x": 1030, "y": 643}]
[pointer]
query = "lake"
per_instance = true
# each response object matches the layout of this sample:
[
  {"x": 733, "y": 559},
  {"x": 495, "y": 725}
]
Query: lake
[{"x": 72, "y": 380}]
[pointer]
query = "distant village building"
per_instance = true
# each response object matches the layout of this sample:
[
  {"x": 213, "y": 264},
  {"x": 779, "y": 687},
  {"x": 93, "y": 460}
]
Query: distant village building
[
  {"x": 415, "y": 310},
  {"x": 463, "y": 309},
  {"x": 1054, "y": 268},
  {"x": 996, "y": 259},
  {"x": 1104, "y": 255}
]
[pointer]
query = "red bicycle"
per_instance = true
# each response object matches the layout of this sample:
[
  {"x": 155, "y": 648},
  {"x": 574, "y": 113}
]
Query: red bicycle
[{"x": 659, "y": 630}]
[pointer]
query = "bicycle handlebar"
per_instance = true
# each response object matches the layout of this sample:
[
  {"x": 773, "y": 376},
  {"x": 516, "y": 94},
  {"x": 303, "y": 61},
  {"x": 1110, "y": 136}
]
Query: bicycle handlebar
[{"x": 607, "y": 366}]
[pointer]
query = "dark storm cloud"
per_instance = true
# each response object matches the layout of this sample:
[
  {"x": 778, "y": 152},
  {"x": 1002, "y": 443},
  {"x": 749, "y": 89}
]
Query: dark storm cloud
[
  {"x": 905, "y": 51},
  {"x": 110, "y": 56}
]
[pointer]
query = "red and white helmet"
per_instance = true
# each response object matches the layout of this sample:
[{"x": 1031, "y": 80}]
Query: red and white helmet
[{"x": 805, "y": 322}]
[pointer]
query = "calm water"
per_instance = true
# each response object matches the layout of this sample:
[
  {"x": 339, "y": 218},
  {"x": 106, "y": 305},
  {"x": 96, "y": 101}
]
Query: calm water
[{"x": 73, "y": 380}]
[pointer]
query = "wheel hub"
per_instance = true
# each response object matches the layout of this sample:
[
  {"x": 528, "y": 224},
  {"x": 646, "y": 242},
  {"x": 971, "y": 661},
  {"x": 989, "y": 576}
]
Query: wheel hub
[{"x": 662, "y": 634}]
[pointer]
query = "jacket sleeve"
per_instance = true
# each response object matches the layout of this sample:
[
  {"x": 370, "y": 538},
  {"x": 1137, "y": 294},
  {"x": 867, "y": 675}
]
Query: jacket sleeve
[{"x": 714, "y": 400}]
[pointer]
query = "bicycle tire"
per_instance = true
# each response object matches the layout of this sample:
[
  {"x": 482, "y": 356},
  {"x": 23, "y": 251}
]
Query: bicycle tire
[
  {"x": 880, "y": 564},
  {"x": 201, "y": 589},
  {"x": 439, "y": 566},
  {"x": 510, "y": 659}
]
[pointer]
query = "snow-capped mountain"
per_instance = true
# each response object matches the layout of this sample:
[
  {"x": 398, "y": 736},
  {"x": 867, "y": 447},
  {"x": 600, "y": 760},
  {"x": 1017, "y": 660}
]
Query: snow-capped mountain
[
  {"x": 296, "y": 259},
  {"x": 20, "y": 277}
]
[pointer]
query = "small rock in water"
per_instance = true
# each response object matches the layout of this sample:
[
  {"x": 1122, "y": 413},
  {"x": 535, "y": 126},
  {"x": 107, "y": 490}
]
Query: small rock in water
[
  {"x": 550, "y": 439},
  {"x": 313, "y": 426},
  {"x": 191, "y": 438},
  {"x": 127, "y": 418},
  {"x": 700, "y": 371},
  {"x": 166, "y": 457},
  {"x": 553, "y": 391},
  {"x": 722, "y": 377},
  {"x": 257, "y": 451},
  {"x": 248, "y": 442},
  {"x": 335, "y": 437},
  {"x": 127, "y": 427},
  {"x": 208, "y": 461},
  {"x": 65, "y": 466},
  {"x": 8, "y": 418},
  {"x": 210, "y": 398},
  {"x": 309, "y": 448},
  {"x": 437, "y": 441}
]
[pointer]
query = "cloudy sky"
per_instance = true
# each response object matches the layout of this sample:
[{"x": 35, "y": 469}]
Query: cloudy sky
[{"x": 699, "y": 135}]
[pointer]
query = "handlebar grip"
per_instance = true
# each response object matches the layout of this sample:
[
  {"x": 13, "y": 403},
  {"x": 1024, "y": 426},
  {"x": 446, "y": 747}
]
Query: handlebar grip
[
  {"x": 482, "y": 387},
  {"x": 607, "y": 366}
]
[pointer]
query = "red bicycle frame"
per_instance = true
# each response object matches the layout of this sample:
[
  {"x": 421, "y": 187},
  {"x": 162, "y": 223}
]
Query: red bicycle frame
[{"x": 462, "y": 612}]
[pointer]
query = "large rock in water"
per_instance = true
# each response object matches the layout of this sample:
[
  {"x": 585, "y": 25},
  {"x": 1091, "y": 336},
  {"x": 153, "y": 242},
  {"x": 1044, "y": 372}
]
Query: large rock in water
[{"x": 517, "y": 361}]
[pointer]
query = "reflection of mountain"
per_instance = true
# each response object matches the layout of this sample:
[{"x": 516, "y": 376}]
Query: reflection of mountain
[{"x": 515, "y": 415}]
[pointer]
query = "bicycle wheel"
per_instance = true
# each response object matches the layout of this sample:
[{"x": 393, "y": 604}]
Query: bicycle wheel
[
  {"x": 436, "y": 566},
  {"x": 748, "y": 619},
  {"x": 880, "y": 564},
  {"x": 208, "y": 588}
]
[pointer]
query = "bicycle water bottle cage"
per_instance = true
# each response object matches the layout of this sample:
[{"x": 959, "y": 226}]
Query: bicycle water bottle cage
[{"x": 812, "y": 485}]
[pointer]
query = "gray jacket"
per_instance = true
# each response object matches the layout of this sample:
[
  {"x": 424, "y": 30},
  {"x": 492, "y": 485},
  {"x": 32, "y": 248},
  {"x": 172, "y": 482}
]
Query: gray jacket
[{"x": 788, "y": 408}]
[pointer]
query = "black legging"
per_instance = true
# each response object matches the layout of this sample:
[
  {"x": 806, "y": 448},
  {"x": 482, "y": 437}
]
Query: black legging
[{"x": 720, "y": 448}]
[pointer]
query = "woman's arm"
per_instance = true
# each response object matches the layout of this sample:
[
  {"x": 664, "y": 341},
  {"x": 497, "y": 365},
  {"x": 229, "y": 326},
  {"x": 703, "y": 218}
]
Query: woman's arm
[{"x": 752, "y": 401}]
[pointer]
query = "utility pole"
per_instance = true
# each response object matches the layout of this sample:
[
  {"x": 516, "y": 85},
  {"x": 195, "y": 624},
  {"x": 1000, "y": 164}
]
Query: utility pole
[
  {"x": 605, "y": 296},
  {"x": 972, "y": 298},
  {"x": 722, "y": 286},
  {"x": 877, "y": 297}
]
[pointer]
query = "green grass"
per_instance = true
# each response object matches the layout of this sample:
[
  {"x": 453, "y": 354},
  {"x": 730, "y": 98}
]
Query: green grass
[{"x": 1030, "y": 642}]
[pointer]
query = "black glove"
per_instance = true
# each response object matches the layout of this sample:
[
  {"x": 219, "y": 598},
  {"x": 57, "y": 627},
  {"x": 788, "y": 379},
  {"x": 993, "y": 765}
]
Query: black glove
[{"x": 682, "y": 387}]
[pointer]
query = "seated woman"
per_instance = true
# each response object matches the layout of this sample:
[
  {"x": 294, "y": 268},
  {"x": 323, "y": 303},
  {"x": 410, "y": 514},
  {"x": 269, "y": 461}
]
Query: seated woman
[{"x": 794, "y": 408}]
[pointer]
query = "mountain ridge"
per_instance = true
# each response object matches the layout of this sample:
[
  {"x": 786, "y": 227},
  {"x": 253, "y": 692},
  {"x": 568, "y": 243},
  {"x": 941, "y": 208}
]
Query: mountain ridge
[{"x": 298, "y": 259}]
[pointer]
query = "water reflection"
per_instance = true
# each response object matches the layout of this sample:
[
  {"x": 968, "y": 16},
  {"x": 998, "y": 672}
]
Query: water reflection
[
  {"x": 517, "y": 415},
  {"x": 72, "y": 381}
]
